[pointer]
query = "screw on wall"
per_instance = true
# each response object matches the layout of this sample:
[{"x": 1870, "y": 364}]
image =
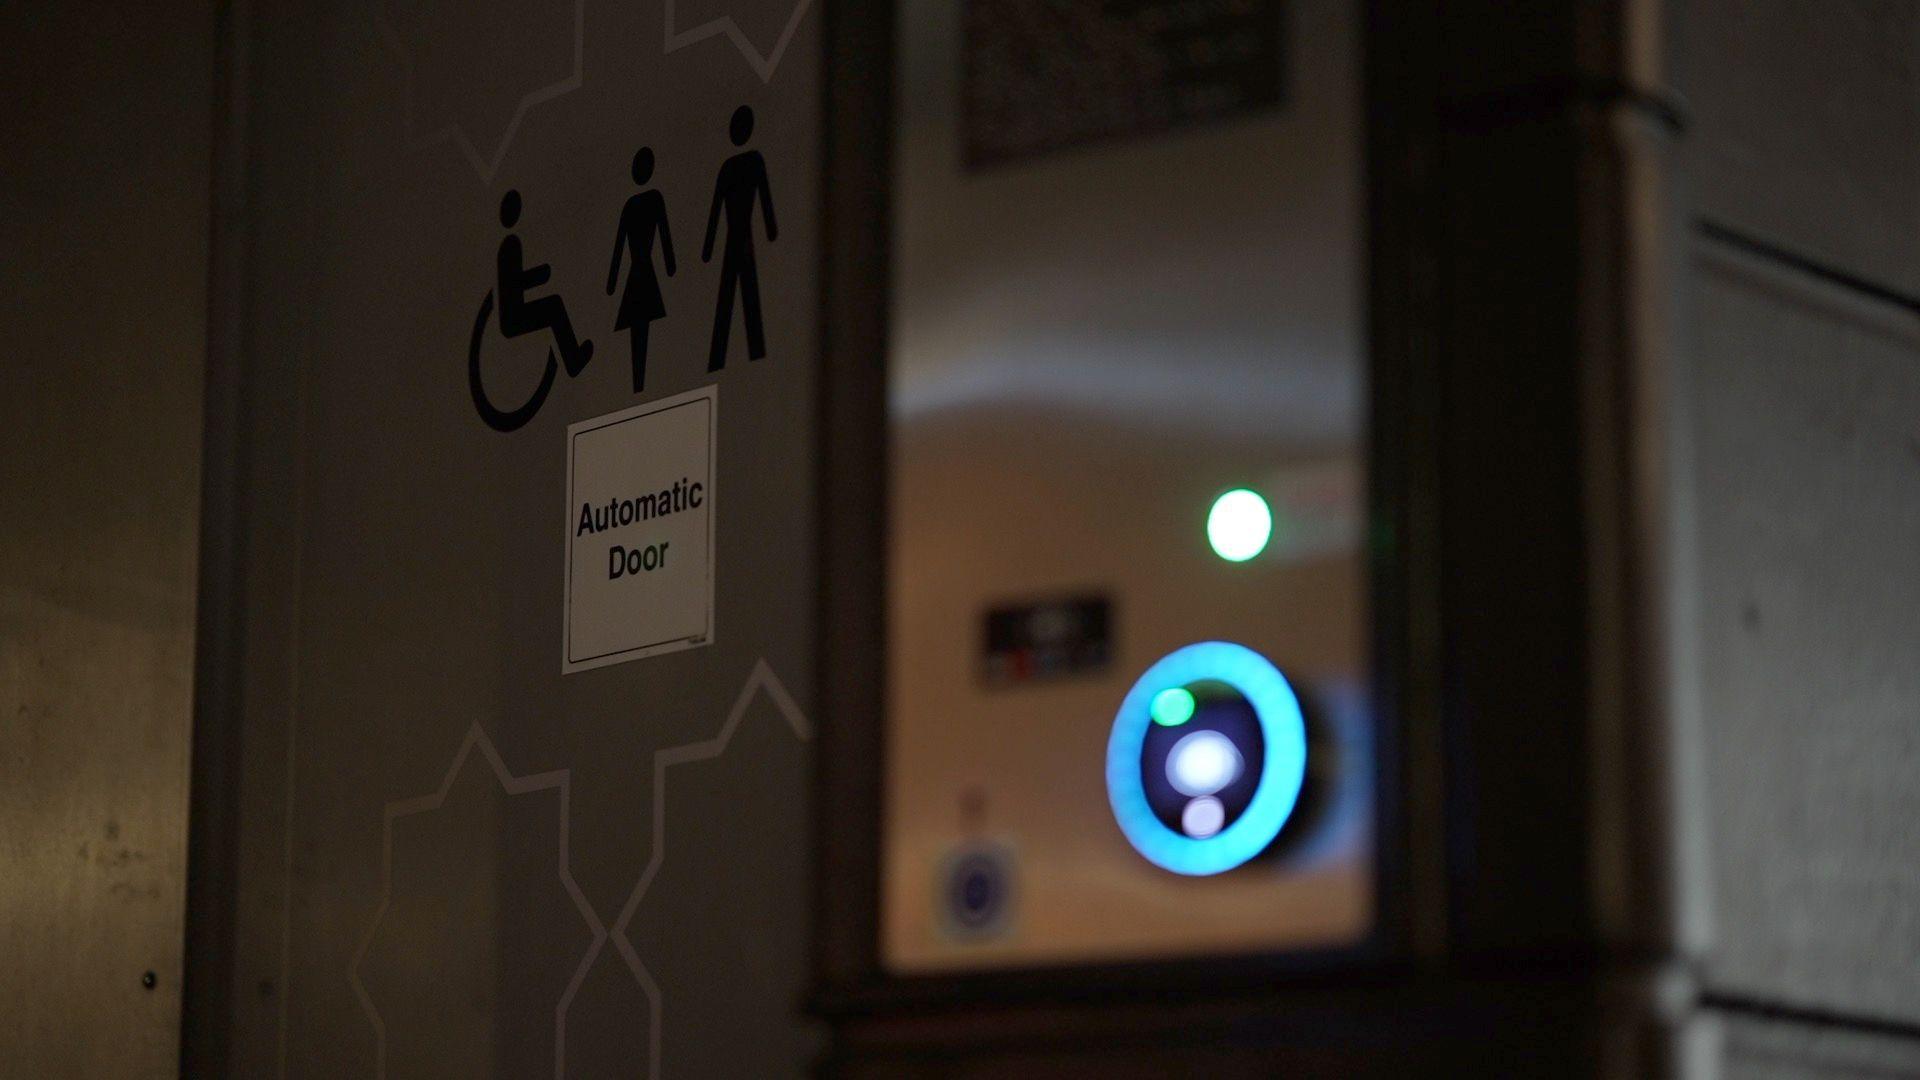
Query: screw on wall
[{"x": 149, "y": 980}]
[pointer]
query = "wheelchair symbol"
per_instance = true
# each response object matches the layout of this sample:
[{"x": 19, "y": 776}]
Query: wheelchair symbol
[
  {"x": 522, "y": 313},
  {"x": 496, "y": 418}
]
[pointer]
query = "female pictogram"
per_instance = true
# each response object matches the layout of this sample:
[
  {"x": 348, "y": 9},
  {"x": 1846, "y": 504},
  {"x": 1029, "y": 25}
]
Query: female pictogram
[{"x": 642, "y": 220}]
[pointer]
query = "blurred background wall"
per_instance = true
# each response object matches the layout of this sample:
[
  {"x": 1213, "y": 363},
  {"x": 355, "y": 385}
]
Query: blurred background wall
[
  {"x": 1797, "y": 652},
  {"x": 1090, "y": 344}
]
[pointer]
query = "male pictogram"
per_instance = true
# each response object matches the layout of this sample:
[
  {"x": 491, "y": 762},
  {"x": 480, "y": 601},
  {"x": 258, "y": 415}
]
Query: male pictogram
[{"x": 742, "y": 180}]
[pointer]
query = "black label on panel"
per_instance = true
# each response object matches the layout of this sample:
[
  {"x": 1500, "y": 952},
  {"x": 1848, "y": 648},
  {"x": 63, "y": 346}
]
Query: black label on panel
[
  {"x": 1050, "y": 638},
  {"x": 1038, "y": 75}
]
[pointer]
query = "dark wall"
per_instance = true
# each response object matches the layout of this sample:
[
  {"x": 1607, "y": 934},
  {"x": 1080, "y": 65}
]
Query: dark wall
[
  {"x": 103, "y": 245},
  {"x": 450, "y": 858}
]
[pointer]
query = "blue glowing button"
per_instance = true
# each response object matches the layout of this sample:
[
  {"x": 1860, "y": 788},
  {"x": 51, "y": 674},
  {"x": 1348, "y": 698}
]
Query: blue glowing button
[{"x": 1212, "y": 790}]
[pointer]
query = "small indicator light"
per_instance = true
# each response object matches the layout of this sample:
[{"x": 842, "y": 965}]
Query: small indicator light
[
  {"x": 1203, "y": 817},
  {"x": 1203, "y": 763},
  {"x": 1172, "y": 707},
  {"x": 1239, "y": 525}
]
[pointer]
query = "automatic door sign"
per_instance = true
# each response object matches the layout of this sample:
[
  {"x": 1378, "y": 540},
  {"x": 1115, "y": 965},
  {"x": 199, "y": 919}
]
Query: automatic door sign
[
  {"x": 1206, "y": 759},
  {"x": 639, "y": 528}
]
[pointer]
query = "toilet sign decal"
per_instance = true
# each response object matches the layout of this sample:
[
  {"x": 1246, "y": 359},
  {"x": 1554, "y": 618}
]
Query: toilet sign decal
[
  {"x": 639, "y": 532},
  {"x": 522, "y": 303}
]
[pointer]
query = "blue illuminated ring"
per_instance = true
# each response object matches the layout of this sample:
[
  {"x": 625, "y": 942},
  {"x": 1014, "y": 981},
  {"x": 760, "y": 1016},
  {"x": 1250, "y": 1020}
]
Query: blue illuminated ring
[{"x": 1281, "y": 725}]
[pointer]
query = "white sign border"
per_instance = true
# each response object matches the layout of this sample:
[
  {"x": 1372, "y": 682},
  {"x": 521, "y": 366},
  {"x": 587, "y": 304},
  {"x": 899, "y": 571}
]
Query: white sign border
[{"x": 711, "y": 395}]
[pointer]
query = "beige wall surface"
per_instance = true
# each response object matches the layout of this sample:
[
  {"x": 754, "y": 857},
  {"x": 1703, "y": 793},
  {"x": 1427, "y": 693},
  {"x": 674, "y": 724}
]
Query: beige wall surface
[
  {"x": 103, "y": 219},
  {"x": 1088, "y": 348}
]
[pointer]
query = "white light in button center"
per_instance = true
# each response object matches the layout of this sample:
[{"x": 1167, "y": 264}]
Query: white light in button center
[{"x": 1203, "y": 763}]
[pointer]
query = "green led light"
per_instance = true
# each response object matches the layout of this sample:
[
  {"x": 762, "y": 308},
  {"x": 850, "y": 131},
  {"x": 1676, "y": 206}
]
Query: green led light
[
  {"x": 1172, "y": 707},
  {"x": 1239, "y": 525}
]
